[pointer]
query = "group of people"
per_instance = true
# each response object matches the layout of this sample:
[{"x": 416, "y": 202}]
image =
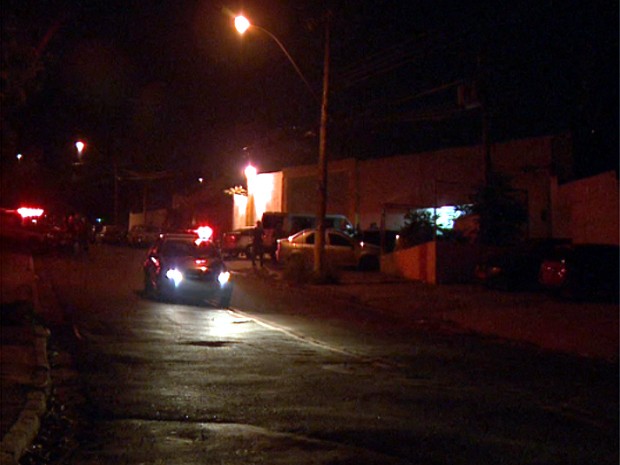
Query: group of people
[
  {"x": 258, "y": 242},
  {"x": 78, "y": 230}
]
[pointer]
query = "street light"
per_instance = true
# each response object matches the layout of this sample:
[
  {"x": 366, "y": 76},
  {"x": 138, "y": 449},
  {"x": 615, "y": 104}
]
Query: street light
[
  {"x": 80, "y": 146},
  {"x": 242, "y": 24}
]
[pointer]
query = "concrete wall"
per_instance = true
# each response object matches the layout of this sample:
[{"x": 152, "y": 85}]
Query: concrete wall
[
  {"x": 300, "y": 193},
  {"x": 433, "y": 263},
  {"x": 415, "y": 263},
  {"x": 445, "y": 177},
  {"x": 365, "y": 190},
  {"x": 586, "y": 210},
  {"x": 370, "y": 191}
]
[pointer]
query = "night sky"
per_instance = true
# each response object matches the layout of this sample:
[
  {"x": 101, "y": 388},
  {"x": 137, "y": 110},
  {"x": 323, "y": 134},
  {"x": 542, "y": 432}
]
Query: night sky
[{"x": 170, "y": 85}]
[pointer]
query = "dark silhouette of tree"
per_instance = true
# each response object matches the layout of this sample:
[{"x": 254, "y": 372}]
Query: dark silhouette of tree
[{"x": 502, "y": 213}]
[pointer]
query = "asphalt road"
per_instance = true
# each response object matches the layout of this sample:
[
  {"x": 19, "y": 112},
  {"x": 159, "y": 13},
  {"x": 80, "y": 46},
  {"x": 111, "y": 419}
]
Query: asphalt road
[{"x": 158, "y": 382}]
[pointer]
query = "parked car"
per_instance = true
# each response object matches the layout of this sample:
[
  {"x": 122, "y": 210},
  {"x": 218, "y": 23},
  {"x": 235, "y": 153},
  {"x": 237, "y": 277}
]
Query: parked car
[
  {"x": 180, "y": 266},
  {"x": 516, "y": 268},
  {"x": 238, "y": 242},
  {"x": 278, "y": 225},
  {"x": 584, "y": 271},
  {"x": 143, "y": 235},
  {"x": 341, "y": 250},
  {"x": 112, "y": 234}
]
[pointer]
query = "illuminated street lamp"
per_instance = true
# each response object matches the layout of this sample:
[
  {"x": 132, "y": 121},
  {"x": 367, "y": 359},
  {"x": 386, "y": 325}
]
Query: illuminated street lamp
[
  {"x": 79, "y": 145},
  {"x": 250, "y": 172},
  {"x": 242, "y": 24}
]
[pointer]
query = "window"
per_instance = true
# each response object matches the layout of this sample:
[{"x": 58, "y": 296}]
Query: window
[
  {"x": 205, "y": 250},
  {"x": 338, "y": 240},
  {"x": 177, "y": 248}
]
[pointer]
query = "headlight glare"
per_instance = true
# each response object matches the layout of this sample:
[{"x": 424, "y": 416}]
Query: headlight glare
[
  {"x": 223, "y": 277},
  {"x": 174, "y": 275}
]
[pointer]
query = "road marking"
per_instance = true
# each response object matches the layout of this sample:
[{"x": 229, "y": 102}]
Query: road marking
[{"x": 377, "y": 362}]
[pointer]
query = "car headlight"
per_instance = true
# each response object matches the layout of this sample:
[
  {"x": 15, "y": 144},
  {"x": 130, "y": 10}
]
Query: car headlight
[
  {"x": 223, "y": 277},
  {"x": 174, "y": 275}
]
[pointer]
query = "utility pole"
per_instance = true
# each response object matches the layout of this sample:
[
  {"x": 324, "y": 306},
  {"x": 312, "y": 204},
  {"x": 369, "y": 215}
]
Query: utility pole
[
  {"x": 481, "y": 91},
  {"x": 319, "y": 243},
  {"x": 116, "y": 180}
]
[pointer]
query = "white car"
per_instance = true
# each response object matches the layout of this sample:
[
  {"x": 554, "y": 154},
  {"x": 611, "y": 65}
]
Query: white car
[{"x": 341, "y": 250}]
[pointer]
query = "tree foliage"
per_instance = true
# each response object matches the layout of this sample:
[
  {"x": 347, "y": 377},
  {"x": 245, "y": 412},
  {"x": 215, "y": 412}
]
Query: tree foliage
[
  {"x": 420, "y": 227},
  {"x": 502, "y": 211}
]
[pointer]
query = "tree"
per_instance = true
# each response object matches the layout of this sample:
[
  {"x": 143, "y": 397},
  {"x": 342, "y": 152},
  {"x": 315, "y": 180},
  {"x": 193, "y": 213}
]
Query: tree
[
  {"x": 420, "y": 227},
  {"x": 502, "y": 214}
]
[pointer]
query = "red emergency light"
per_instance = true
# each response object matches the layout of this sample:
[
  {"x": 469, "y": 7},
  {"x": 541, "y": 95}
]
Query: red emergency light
[
  {"x": 204, "y": 232},
  {"x": 29, "y": 212}
]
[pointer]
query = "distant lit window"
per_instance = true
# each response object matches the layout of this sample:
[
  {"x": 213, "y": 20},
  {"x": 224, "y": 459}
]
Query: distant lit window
[{"x": 446, "y": 215}]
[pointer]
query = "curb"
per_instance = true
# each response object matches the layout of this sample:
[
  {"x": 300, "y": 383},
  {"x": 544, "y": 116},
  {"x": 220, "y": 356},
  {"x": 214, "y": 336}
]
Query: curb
[{"x": 21, "y": 435}]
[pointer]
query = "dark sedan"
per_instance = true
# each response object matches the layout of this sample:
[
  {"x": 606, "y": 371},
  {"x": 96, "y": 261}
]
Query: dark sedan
[
  {"x": 516, "y": 268},
  {"x": 584, "y": 271},
  {"x": 183, "y": 266}
]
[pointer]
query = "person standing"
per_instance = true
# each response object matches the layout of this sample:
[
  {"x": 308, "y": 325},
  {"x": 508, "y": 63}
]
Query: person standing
[{"x": 257, "y": 244}]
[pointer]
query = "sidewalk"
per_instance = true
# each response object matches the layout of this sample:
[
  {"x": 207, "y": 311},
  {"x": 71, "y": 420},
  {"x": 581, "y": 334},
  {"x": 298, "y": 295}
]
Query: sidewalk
[
  {"x": 24, "y": 368},
  {"x": 588, "y": 329}
]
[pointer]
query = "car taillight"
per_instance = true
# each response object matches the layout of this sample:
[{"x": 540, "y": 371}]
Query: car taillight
[{"x": 201, "y": 264}]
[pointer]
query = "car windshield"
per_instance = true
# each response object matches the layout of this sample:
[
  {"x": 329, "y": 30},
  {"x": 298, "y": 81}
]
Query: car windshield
[{"x": 187, "y": 248}]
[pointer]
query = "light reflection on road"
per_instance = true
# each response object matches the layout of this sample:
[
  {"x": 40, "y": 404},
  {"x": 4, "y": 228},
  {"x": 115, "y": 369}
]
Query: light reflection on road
[
  {"x": 215, "y": 323},
  {"x": 227, "y": 324}
]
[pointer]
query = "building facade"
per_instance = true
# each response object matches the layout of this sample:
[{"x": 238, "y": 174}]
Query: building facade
[{"x": 381, "y": 191}]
